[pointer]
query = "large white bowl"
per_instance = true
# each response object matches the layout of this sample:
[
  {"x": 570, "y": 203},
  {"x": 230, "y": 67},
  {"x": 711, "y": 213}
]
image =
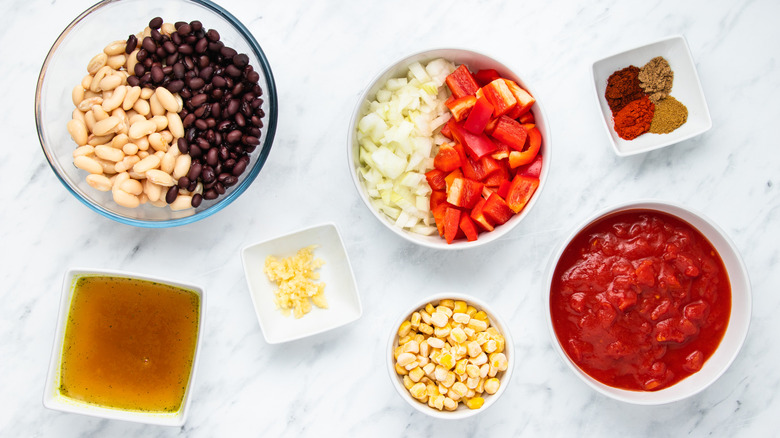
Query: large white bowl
[
  {"x": 739, "y": 320},
  {"x": 474, "y": 61},
  {"x": 462, "y": 411},
  {"x": 53, "y": 399}
]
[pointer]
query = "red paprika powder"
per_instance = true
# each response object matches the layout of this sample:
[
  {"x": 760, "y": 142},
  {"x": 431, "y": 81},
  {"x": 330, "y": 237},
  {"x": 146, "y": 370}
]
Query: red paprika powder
[
  {"x": 634, "y": 119},
  {"x": 623, "y": 87}
]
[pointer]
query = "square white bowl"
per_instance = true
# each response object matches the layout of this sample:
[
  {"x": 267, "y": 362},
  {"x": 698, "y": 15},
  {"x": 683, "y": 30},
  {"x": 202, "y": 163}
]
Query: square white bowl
[
  {"x": 686, "y": 88},
  {"x": 340, "y": 287},
  {"x": 53, "y": 399}
]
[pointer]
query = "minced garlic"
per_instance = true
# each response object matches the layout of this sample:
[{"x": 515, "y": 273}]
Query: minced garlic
[{"x": 294, "y": 277}]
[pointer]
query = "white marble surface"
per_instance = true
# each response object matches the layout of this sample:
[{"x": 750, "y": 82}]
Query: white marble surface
[{"x": 322, "y": 54}]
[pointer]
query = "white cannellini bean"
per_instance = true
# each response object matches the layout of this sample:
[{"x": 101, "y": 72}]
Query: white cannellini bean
[
  {"x": 148, "y": 163},
  {"x": 141, "y": 129},
  {"x": 99, "y": 182},
  {"x": 125, "y": 199},
  {"x": 182, "y": 166},
  {"x": 89, "y": 164},
  {"x": 182, "y": 202},
  {"x": 132, "y": 95},
  {"x": 111, "y": 154},
  {"x": 78, "y": 131},
  {"x": 175, "y": 125},
  {"x": 105, "y": 126},
  {"x": 132, "y": 186},
  {"x": 166, "y": 99},
  {"x": 164, "y": 179},
  {"x": 116, "y": 99}
]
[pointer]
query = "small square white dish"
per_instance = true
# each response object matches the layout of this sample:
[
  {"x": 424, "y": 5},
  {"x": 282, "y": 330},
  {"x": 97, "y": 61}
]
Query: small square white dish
[
  {"x": 53, "y": 397},
  {"x": 340, "y": 287},
  {"x": 686, "y": 88}
]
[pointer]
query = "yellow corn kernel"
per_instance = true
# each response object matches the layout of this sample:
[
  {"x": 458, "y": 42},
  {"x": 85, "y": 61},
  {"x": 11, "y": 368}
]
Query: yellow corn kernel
[
  {"x": 428, "y": 369},
  {"x": 408, "y": 382},
  {"x": 461, "y": 318},
  {"x": 450, "y": 379},
  {"x": 459, "y": 307},
  {"x": 493, "y": 372},
  {"x": 481, "y": 337},
  {"x": 442, "y": 332},
  {"x": 460, "y": 366},
  {"x": 423, "y": 360},
  {"x": 447, "y": 303},
  {"x": 418, "y": 391},
  {"x": 458, "y": 336},
  {"x": 419, "y": 337},
  {"x": 470, "y": 332},
  {"x": 398, "y": 350},
  {"x": 475, "y": 402},
  {"x": 500, "y": 343},
  {"x": 477, "y": 324},
  {"x": 440, "y": 373},
  {"x": 405, "y": 359},
  {"x": 401, "y": 371},
  {"x": 471, "y": 393},
  {"x": 484, "y": 370},
  {"x": 474, "y": 349},
  {"x": 480, "y": 359},
  {"x": 435, "y": 342},
  {"x": 425, "y": 328},
  {"x": 425, "y": 317},
  {"x": 403, "y": 331},
  {"x": 458, "y": 389},
  {"x": 438, "y": 402},
  {"x": 405, "y": 339},
  {"x": 431, "y": 389},
  {"x": 471, "y": 382},
  {"x": 490, "y": 346},
  {"x": 447, "y": 361},
  {"x": 429, "y": 308},
  {"x": 416, "y": 374},
  {"x": 442, "y": 389},
  {"x": 492, "y": 332},
  {"x": 472, "y": 370},
  {"x": 492, "y": 385},
  {"x": 411, "y": 347},
  {"x": 414, "y": 322},
  {"x": 424, "y": 348},
  {"x": 412, "y": 365},
  {"x": 450, "y": 404},
  {"x": 480, "y": 386},
  {"x": 471, "y": 310},
  {"x": 499, "y": 361},
  {"x": 481, "y": 315},
  {"x": 439, "y": 319},
  {"x": 445, "y": 310}
]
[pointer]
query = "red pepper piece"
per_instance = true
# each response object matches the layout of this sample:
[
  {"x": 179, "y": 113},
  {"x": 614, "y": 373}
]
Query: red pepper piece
[
  {"x": 464, "y": 192},
  {"x": 498, "y": 176},
  {"x": 477, "y": 145},
  {"x": 524, "y": 100},
  {"x": 461, "y": 82},
  {"x": 534, "y": 168},
  {"x": 438, "y": 197},
  {"x": 486, "y": 76},
  {"x": 510, "y": 132},
  {"x": 447, "y": 159},
  {"x": 479, "y": 217},
  {"x": 435, "y": 179},
  {"x": 496, "y": 210},
  {"x": 468, "y": 228},
  {"x": 473, "y": 169},
  {"x": 500, "y": 96},
  {"x": 445, "y": 131},
  {"x": 517, "y": 159},
  {"x": 489, "y": 165},
  {"x": 501, "y": 152},
  {"x": 491, "y": 125},
  {"x": 479, "y": 116},
  {"x": 527, "y": 118},
  {"x": 461, "y": 108},
  {"x": 457, "y": 173},
  {"x": 520, "y": 192},
  {"x": 503, "y": 189},
  {"x": 451, "y": 223},
  {"x": 438, "y": 216}
]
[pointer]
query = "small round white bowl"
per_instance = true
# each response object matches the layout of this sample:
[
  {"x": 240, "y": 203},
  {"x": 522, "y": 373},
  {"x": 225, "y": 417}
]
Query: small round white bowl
[
  {"x": 474, "y": 61},
  {"x": 462, "y": 411},
  {"x": 739, "y": 319}
]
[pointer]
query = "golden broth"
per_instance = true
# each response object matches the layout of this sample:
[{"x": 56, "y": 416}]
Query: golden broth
[{"x": 129, "y": 344}]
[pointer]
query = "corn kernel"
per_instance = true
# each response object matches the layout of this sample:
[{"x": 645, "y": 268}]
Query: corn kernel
[
  {"x": 471, "y": 311},
  {"x": 405, "y": 359},
  {"x": 408, "y": 382},
  {"x": 439, "y": 319},
  {"x": 430, "y": 401},
  {"x": 424, "y": 348},
  {"x": 458, "y": 336},
  {"x": 442, "y": 332},
  {"x": 429, "y": 308},
  {"x": 445, "y": 310},
  {"x": 460, "y": 351},
  {"x": 471, "y": 393},
  {"x": 438, "y": 402},
  {"x": 492, "y": 385},
  {"x": 447, "y": 361},
  {"x": 500, "y": 343},
  {"x": 449, "y": 380},
  {"x": 425, "y": 328},
  {"x": 480, "y": 359},
  {"x": 472, "y": 370},
  {"x": 419, "y": 337},
  {"x": 474, "y": 348},
  {"x": 481, "y": 338},
  {"x": 492, "y": 332},
  {"x": 428, "y": 368},
  {"x": 405, "y": 339},
  {"x": 493, "y": 372},
  {"x": 422, "y": 360},
  {"x": 450, "y": 404},
  {"x": 426, "y": 380},
  {"x": 414, "y": 321},
  {"x": 458, "y": 389},
  {"x": 480, "y": 386},
  {"x": 411, "y": 347},
  {"x": 442, "y": 389},
  {"x": 477, "y": 324},
  {"x": 475, "y": 402},
  {"x": 416, "y": 374},
  {"x": 400, "y": 370},
  {"x": 459, "y": 307},
  {"x": 412, "y": 365},
  {"x": 481, "y": 315},
  {"x": 398, "y": 350},
  {"x": 490, "y": 346},
  {"x": 435, "y": 342},
  {"x": 418, "y": 391},
  {"x": 460, "y": 366},
  {"x": 484, "y": 370},
  {"x": 470, "y": 332},
  {"x": 461, "y": 318},
  {"x": 447, "y": 303},
  {"x": 471, "y": 382},
  {"x": 499, "y": 361},
  {"x": 425, "y": 316},
  {"x": 440, "y": 373},
  {"x": 431, "y": 389},
  {"x": 406, "y": 326}
]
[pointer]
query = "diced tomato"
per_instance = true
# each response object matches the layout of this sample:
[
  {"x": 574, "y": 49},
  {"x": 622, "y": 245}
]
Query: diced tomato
[
  {"x": 468, "y": 228},
  {"x": 524, "y": 100},
  {"x": 461, "y": 82},
  {"x": 451, "y": 223},
  {"x": 445, "y": 131},
  {"x": 520, "y": 192},
  {"x": 461, "y": 107},
  {"x": 527, "y": 118},
  {"x": 503, "y": 189},
  {"x": 479, "y": 116},
  {"x": 435, "y": 179},
  {"x": 486, "y": 76},
  {"x": 534, "y": 168},
  {"x": 438, "y": 197},
  {"x": 457, "y": 173},
  {"x": 477, "y": 145},
  {"x": 496, "y": 210},
  {"x": 438, "y": 215},
  {"x": 510, "y": 132},
  {"x": 447, "y": 159},
  {"x": 500, "y": 96},
  {"x": 479, "y": 217},
  {"x": 464, "y": 192},
  {"x": 517, "y": 159}
]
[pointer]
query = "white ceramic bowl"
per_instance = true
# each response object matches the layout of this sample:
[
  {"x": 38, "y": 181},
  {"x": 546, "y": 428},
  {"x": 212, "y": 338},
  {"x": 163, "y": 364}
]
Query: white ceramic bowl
[
  {"x": 686, "y": 88},
  {"x": 340, "y": 287},
  {"x": 53, "y": 399},
  {"x": 474, "y": 61},
  {"x": 462, "y": 411},
  {"x": 739, "y": 320}
]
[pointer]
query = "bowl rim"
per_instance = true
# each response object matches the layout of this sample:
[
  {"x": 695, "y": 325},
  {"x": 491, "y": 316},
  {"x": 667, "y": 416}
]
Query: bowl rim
[
  {"x": 485, "y": 238},
  {"x": 53, "y": 400},
  {"x": 673, "y": 209},
  {"x": 270, "y": 94},
  {"x": 461, "y": 412}
]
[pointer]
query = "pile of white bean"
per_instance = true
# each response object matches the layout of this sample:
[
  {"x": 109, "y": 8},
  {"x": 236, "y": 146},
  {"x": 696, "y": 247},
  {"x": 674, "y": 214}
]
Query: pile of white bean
[{"x": 127, "y": 135}]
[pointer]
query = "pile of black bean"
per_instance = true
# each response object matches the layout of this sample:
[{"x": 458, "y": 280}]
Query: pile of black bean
[{"x": 222, "y": 112}]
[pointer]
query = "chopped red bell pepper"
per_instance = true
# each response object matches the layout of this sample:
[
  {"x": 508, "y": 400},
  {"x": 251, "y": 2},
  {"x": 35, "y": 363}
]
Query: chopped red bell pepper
[
  {"x": 435, "y": 179},
  {"x": 533, "y": 169},
  {"x": 527, "y": 118},
  {"x": 438, "y": 197},
  {"x": 520, "y": 192},
  {"x": 498, "y": 176},
  {"x": 501, "y": 152},
  {"x": 464, "y": 192},
  {"x": 524, "y": 100},
  {"x": 445, "y": 131},
  {"x": 496, "y": 210},
  {"x": 510, "y": 132},
  {"x": 438, "y": 216},
  {"x": 461, "y": 82},
  {"x": 447, "y": 159},
  {"x": 479, "y": 116},
  {"x": 491, "y": 125},
  {"x": 461, "y": 107},
  {"x": 500, "y": 96},
  {"x": 451, "y": 223},
  {"x": 479, "y": 217},
  {"x": 486, "y": 76},
  {"x": 457, "y": 173},
  {"x": 477, "y": 145},
  {"x": 517, "y": 158},
  {"x": 473, "y": 169},
  {"x": 468, "y": 228},
  {"x": 489, "y": 165},
  {"x": 503, "y": 189}
]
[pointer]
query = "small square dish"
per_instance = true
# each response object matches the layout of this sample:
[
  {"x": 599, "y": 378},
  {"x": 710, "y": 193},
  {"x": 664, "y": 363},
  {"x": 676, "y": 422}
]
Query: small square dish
[
  {"x": 686, "y": 88},
  {"x": 341, "y": 290}
]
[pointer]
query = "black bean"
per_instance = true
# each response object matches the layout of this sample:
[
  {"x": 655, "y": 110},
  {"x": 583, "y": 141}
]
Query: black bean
[
  {"x": 234, "y": 136},
  {"x": 239, "y": 168},
  {"x": 218, "y": 81},
  {"x": 149, "y": 45},
  {"x": 212, "y": 35},
  {"x": 184, "y": 29},
  {"x": 161, "y": 53},
  {"x": 192, "y": 186},
  {"x": 194, "y": 172},
  {"x": 201, "y": 124},
  {"x": 195, "y": 152},
  {"x": 202, "y": 45},
  {"x": 240, "y": 120},
  {"x": 139, "y": 69},
  {"x": 206, "y": 72},
  {"x": 253, "y": 76},
  {"x": 241, "y": 60},
  {"x": 133, "y": 81},
  {"x": 250, "y": 140},
  {"x": 207, "y": 174},
  {"x": 146, "y": 78},
  {"x": 182, "y": 144},
  {"x": 196, "y": 83},
  {"x": 210, "y": 194},
  {"x": 238, "y": 90},
  {"x": 169, "y": 47},
  {"x": 233, "y": 71},
  {"x": 184, "y": 182},
  {"x": 157, "y": 74},
  {"x": 197, "y": 198},
  {"x": 233, "y": 107},
  {"x": 220, "y": 188},
  {"x": 155, "y": 22},
  {"x": 198, "y": 99},
  {"x": 203, "y": 144},
  {"x": 175, "y": 86},
  {"x": 156, "y": 35},
  {"x": 132, "y": 44},
  {"x": 173, "y": 192},
  {"x": 212, "y": 157}
]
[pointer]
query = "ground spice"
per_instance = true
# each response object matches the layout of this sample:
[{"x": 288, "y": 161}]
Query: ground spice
[
  {"x": 622, "y": 88},
  {"x": 635, "y": 118},
  {"x": 656, "y": 79},
  {"x": 669, "y": 115}
]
